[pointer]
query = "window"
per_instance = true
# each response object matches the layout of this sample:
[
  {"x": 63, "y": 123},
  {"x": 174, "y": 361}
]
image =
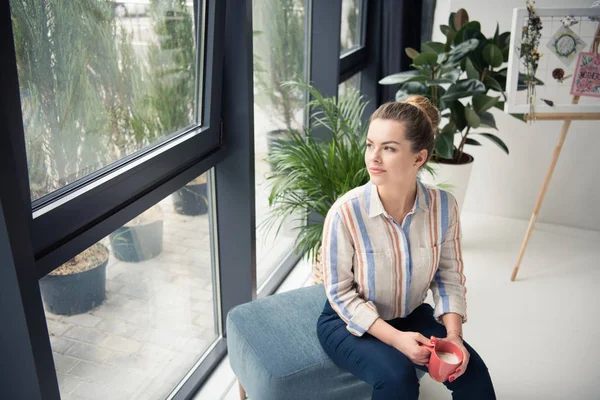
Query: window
[
  {"x": 132, "y": 314},
  {"x": 351, "y": 83},
  {"x": 101, "y": 80},
  {"x": 279, "y": 41},
  {"x": 351, "y": 27}
]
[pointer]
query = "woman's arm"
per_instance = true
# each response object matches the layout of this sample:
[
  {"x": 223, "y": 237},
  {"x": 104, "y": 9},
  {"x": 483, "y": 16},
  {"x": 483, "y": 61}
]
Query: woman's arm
[
  {"x": 453, "y": 323},
  {"x": 448, "y": 285},
  {"x": 408, "y": 343},
  {"x": 337, "y": 253}
]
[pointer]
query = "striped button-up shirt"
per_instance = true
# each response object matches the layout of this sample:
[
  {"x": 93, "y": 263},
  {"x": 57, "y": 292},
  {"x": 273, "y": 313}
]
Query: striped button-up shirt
[{"x": 374, "y": 266}]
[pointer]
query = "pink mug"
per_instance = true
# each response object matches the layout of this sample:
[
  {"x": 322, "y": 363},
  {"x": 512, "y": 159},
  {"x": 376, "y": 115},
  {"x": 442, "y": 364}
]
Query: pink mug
[{"x": 440, "y": 370}]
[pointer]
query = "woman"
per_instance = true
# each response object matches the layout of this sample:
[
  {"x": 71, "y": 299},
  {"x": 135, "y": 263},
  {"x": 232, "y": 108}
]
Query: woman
[{"x": 384, "y": 245}]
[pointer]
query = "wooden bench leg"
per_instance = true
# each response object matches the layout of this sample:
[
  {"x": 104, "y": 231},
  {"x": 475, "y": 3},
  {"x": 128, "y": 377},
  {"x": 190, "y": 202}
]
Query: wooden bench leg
[{"x": 242, "y": 391}]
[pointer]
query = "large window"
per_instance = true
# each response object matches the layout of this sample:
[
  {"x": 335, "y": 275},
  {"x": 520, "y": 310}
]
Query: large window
[
  {"x": 132, "y": 314},
  {"x": 279, "y": 43},
  {"x": 101, "y": 80}
]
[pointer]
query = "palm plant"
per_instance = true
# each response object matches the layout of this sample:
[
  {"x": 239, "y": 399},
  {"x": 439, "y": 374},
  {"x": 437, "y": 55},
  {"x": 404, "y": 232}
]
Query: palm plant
[{"x": 309, "y": 174}]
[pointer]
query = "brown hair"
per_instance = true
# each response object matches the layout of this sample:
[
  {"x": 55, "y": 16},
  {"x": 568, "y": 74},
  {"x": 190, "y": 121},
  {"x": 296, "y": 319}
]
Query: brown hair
[{"x": 420, "y": 117}]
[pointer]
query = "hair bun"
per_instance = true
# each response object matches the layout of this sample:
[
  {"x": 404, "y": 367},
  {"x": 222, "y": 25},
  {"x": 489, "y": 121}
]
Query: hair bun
[{"x": 424, "y": 105}]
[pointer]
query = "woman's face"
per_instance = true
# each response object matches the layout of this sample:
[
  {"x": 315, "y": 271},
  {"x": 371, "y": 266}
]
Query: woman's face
[{"x": 388, "y": 156}]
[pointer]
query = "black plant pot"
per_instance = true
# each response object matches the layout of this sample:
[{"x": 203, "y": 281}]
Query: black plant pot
[
  {"x": 75, "y": 293},
  {"x": 137, "y": 243},
  {"x": 191, "y": 199}
]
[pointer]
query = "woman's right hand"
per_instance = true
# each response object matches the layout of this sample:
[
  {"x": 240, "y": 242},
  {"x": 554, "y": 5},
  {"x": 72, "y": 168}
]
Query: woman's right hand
[{"x": 411, "y": 344}]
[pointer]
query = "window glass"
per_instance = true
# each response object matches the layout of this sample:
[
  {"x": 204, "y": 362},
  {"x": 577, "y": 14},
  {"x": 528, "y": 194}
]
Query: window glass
[
  {"x": 350, "y": 31},
  {"x": 130, "y": 316},
  {"x": 279, "y": 40},
  {"x": 100, "y": 80},
  {"x": 351, "y": 83}
]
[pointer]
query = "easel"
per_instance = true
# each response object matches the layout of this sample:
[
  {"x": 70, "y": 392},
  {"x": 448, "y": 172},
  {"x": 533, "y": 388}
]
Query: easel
[{"x": 567, "y": 118}]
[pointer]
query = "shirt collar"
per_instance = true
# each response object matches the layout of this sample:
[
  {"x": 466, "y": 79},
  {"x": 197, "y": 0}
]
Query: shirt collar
[{"x": 375, "y": 206}]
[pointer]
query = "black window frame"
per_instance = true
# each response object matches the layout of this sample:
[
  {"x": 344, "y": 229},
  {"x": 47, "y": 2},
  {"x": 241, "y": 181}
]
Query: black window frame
[
  {"x": 31, "y": 247},
  {"x": 57, "y": 236}
]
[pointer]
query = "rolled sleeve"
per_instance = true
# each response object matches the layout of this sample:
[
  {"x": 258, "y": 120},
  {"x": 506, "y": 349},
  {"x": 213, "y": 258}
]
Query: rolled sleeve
[
  {"x": 337, "y": 253},
  {"x": 448, "y": 285}
]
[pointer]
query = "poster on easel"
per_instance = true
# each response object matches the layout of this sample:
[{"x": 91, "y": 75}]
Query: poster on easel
[
  {"x": 586, "y": 79},
  {"x": 551, "y": 59}
]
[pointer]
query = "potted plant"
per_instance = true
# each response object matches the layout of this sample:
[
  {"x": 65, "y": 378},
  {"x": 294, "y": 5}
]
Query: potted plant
[
  {"x": 309, "y": 174},
  {"x": 281, "y": 42},
  {"x": 78, "y": 285},
  {"x": 464, "y": 79},
  {"x": 192, "y": 199},
  {"x": 139, "y": 239}
]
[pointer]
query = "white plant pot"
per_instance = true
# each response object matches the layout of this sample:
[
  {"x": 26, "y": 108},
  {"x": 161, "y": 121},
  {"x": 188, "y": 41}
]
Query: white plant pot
[{"x": 451, "y": 177}]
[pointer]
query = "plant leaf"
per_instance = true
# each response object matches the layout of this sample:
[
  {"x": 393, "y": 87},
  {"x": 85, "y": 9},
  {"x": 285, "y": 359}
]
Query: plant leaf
[
  {"x": 464, "y": 88},
  {"x": 487, "y": 119},
  {"x": 432, "y": 47},
  {"x": 452, "y": 75},
  {"x": 496, "y": 140},
  {"x": 460, "y": 18},
  {"x": 410, "y": 88},
  {"x": 444, "y": 145},
  {"x": 446, "y": 30},
  {"x": 401, "y": 77},
  {"x": 437, "y": 82},
  {"x": 459, "y": 52},
  {"x": 460, "y": 35},
  {"x": 472, "y": 118},
  {"x": 412, "y": 53},
  {"x": 457, "y": 110},
  {"x": 497, "y": 34},
  {"x": 414, "y": 88},
  {"x": 426, "y": 59},
  {"x": 450, "y": 128},
  {"x": 504, "y": 40},
  {"x": 493, "y": 84},
  {"x": 451, "y": 19},
  {"x": 470, "y": 68},
  {"x": 472, "y": 142},
  {"x": 493, "y": 55},
  {"x": 482, "y": 103}
]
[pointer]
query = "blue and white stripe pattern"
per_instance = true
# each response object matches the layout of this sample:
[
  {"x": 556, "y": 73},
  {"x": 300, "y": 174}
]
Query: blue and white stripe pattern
[{"x": 374, "y": 266}]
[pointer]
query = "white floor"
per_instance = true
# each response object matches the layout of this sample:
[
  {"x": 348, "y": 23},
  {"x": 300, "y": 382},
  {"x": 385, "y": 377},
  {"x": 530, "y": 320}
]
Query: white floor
[{"x": 538, "y": 335}]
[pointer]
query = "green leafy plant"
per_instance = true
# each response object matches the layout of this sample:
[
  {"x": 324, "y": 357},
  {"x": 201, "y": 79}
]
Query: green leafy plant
[
  {"x": 309, "y": 174},
  {"x": 463, "y": 78}
]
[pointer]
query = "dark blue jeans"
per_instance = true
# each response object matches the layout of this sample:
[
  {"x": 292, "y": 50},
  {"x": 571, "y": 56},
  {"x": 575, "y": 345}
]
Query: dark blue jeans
[{"x": 391, "y": 374}]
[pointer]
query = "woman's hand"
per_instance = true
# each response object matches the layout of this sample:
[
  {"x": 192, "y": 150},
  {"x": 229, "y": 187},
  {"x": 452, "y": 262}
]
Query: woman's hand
[
  {"x": 457, "y": 340},
  {"x": 411, "y": 345}
]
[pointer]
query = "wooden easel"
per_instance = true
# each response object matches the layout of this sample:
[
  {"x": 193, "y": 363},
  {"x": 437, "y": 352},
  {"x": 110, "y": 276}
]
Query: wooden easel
[{"x": 567, "y": 118}]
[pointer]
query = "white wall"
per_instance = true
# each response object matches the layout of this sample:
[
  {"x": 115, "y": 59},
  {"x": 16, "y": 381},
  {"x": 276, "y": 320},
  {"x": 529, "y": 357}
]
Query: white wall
[{"x": 509, "y": 185}]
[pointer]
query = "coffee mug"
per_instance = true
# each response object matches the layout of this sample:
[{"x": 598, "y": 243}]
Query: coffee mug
[{"x": 445, "y": 358}]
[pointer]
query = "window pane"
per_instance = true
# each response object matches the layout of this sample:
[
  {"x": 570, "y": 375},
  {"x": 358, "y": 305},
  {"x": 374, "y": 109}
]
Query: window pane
[
  {"x": 131, "y": 315},
  {"x": 279, "y": 31},
  {"x": 100, "y": 80},
  {"x": 350, "y": 32},
  {"x": 351, "y": 83}
]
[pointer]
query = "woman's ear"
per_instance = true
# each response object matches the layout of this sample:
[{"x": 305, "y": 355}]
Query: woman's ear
[{"x": 420, "y": 158}]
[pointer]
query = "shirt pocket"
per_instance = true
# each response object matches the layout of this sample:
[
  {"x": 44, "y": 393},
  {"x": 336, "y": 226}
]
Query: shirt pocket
[{"x": 375, "y": 259}]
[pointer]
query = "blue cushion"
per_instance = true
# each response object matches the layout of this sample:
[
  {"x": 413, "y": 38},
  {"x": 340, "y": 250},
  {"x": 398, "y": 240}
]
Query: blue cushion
[{"x": 275, "y": 353}]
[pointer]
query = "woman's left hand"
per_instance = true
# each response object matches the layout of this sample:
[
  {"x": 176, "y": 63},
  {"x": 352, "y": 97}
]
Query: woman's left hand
[{"x": 457, "y": 340}]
